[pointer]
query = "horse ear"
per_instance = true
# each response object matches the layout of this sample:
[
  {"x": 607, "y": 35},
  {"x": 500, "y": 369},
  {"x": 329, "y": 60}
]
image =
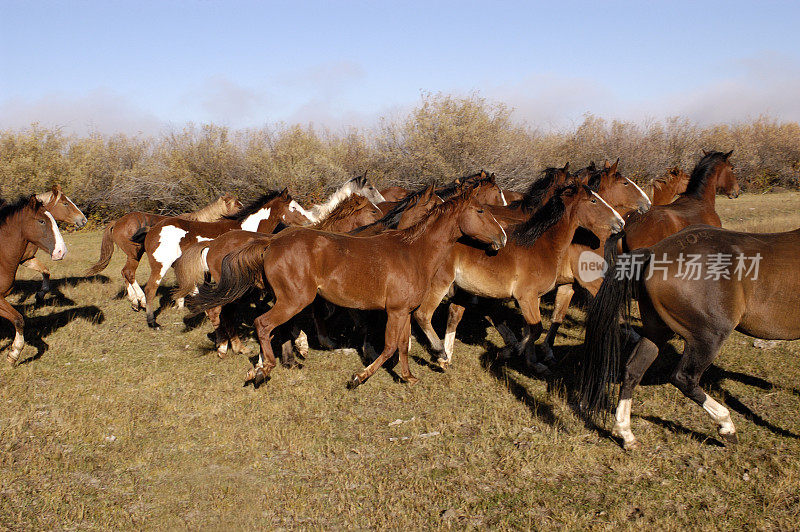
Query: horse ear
[
  {"x": 704, "y": 153},
  {"x": 728, "y": 154},
  {"x": 606, "y": 164},
  {"x": 566, "y": 167},
  {"x": 592, "y": 166},
  {"x": 612, "y": 169},
  {"x": 33, "y": 201},
  {"x": 285, "y": 192}
]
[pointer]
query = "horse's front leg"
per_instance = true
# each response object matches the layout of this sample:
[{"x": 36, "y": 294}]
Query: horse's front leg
[
  {"x": 8, "y": 312},
  {"x": 34, "y": 264}
]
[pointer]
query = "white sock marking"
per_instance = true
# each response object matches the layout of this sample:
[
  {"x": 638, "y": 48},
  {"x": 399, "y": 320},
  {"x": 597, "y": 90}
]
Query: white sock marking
[
  {"x": 720, "y": 414},
  {"x": 449, "y": 342}
]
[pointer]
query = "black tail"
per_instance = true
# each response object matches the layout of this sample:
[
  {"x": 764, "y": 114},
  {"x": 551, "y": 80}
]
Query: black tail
[
  {"x": 241, "y": 270},
  {"x": 602, "y": 348},
  {"x": 140, "y": 234}
]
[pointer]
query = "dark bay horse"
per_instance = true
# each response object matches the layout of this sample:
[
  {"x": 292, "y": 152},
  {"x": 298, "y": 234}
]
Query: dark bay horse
[
  {"x": 743, "y": 281},
  {"x": 63, "y": 210},
  {"x": 390, "y": 272},
  {"x": 120, "y": 231},
  {"x": 695, "y": 206},
  {"x": 167, "y": 239},
  {"x": 525, "y": 269},
  {"x": 22, "y": 223}
]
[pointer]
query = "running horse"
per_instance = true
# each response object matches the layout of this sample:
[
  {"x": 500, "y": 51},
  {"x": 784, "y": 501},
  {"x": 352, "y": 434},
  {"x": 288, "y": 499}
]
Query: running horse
[
  {"x": 63, "y": 210},
  {"x": 390, "y": 271},
  {"x": 120, "y": 231},
  {"x": 21, "y": 224},
  {"x": 167, "y": 240},
  {"x": 750, "y": 283},
  {"x": 695, "y": 206}
]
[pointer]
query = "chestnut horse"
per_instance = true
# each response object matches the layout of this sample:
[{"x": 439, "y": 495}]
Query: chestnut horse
[
  {"x": 695, "y": 206},
  {"x": 525, "y": 269},
  {"x": 390, "y": 272},
  {"x": 120, "y": 231},
  {"x": 167, "y": 240},
  {"x": 203, "y": 258},
  {"x": 63, "y": 210},
  {"x": 490, "y": 195},
  {"x": 22, "y": 223},
  {"x": 624, "y": 196},
  {"x": 736, "y": 290},
  {"x": 665, "y": 188}
]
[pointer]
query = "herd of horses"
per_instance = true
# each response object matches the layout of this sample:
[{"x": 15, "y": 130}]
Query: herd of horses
[{"x": 404, "y": 252}]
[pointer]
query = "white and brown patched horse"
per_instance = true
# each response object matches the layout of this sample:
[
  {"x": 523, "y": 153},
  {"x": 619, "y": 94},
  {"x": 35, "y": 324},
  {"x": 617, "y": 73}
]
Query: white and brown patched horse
[
  {"x": 21, "y": 224},
  {"x": 167, "y": 240},
  {"x": 358, "y": 185},
  {"x": 63, "y": 210}
]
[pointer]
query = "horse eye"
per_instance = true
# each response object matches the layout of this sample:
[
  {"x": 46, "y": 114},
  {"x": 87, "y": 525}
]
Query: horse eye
[
  {"x": 594, "y": 201},
  {"x": 41, "y": 221},
  {"x": 480, "y": 211},
  {"x": 625, "y": 183}
]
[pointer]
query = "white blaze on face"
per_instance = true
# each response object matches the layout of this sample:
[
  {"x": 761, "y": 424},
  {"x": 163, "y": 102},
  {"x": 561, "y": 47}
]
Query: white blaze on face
[
  {"x": 503, "y": 197},
  {"x": 169, "y": 247},
  {"x": 505, "y": 236},
  {"x": 60, "y": 249},
  {"x": 251, "y": 222},
  {"x": 645, "y": 196},
  {"x": 617, "y": 217},
  {"x": 295, "y": 207}
]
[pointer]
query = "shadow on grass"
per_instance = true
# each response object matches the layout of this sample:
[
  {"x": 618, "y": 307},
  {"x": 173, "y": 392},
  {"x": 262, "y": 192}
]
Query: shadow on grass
[
  {"x": 55, "y": 297},
  {"x": 38, "y": 328}
]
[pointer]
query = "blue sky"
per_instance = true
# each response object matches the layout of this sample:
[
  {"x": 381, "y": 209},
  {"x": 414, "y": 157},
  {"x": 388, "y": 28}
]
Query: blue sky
[{"x": 145, "y": 66}]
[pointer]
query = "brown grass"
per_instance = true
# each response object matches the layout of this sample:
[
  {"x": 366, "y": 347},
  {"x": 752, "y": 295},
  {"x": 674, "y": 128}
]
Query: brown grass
[{"x": 478, "y": 446}]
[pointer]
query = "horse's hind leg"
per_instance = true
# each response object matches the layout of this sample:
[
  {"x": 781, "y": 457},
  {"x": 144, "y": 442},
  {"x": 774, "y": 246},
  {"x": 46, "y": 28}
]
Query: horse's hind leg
[
  {"x": 643, "y": 355},
  {"x": 697, "y": 356},
  {"x": 8, "y": 312},
  {"x": 440, "y": 286},
  {"x": 135, "y": 293},
  {"x": 533, "y": 329},
  {"x": 402, "y": 344}
]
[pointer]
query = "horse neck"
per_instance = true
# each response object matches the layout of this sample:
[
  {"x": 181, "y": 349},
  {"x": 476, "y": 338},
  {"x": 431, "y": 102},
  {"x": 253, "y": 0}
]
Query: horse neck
[
  {"x": 14, "y": 243},
  {"x": 209, "y": 213},
  {"x": 323, "y": 210},
  {"x": 438, "y": 239},
  {"x": 710, "y": 191},
  {"x": 559, "y": 236},
  {"x": 663, "y": 192}
]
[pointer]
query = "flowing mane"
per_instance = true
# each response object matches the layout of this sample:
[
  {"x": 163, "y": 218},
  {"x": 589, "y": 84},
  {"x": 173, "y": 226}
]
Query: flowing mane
[
  {"x": 702, "y": 172},
  {"x": 528, "y": 232},
  {"x": 210, "y": 213},
  {"x": 411, "y": 234},
  {"x": 452, "y": 188},
  {"x": 348, "y": 207},
  {"x": 7, "y": 210},
  {"x": 392, "y": 218},
  {"x": 254, "y": 206},
  {"x": 532, "y": 199}
]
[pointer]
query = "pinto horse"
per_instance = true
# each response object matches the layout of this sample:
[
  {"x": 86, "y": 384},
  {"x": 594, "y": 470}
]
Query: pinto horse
[
  {"x": 22, "y": 223},
  {"x": 703, "y": 308},
  {"x": 695, "y": 206},
  {"x": 63, "y": 210},
  {"x": 167, "y": 240},
  {"x": 525, "y": 269},
  {"x": 390, "y": 272},
  {"x": 120, "y": 231},
  {"x": 358, "y": 185}
]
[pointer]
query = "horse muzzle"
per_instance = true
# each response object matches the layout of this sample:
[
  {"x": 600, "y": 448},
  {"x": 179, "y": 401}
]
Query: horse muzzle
[
  {"x": 617, "y": 227},
  {"x": 644, "y": 206},
  {"x": 59, "y": 252},
  {"x": 81, "y": 222},
  {"x": 498, "y": 244}
]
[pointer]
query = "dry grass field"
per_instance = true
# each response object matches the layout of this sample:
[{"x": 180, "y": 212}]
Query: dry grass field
[{"x": 109, "y": 425}]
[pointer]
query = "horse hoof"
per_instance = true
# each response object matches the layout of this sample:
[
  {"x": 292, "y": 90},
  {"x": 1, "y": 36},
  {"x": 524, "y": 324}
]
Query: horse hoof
[
  {"x": 354, "y": 382},
  {"x": 630, "y": 445},
  {"x": 135, "y": 307},
  {"x": 259, "y": 378},
  {"x": 153, "y": 324},
  {"x": 730, "y": 439},
  {"x": 540, "y": 369},
  {"x": 11, "y": 361},
  {"x": 443, "y": 363},
  {"x": 410, "y": 380}
]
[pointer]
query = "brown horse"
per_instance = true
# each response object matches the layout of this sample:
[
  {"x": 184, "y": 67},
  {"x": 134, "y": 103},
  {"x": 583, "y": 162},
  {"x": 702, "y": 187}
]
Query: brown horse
[
  {"x": 695, "y": 206},
  {"x": 624, "y": 196},
  {"x": 525, "y": 269},
  {"x": 390, "y": 272},
  {"x": 22, "y": 223},
  {"x": 167, "y": 239},
  {"x": 120, "y": 231},
  {"x": 489, "y": 193},
  {"x": 667, "y": 187},
  {"x": 394, "y": 193},
  {"x": 63, "y": 210},
  {"x": 203, "y": 258},
  {"x": 733, "y": 287}
]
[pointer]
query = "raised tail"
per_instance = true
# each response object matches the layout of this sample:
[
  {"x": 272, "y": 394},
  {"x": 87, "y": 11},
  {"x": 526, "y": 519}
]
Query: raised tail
[
  {"x": 602, "y": 347},
  {"x": 190, "y": 269},
  {"x": 241, "y": 270},
  {"x": 106, "y": 251}
]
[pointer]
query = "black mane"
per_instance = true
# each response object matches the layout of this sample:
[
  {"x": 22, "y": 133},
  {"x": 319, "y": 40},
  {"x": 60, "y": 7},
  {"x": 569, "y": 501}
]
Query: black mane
[
  {"x": 528, "y": 232},
  {"x": 532, "y": 199},
  {"x": 450, "y": 189},
  {"x": 8, "y": 210},
  {"x": 392, "y": 218},
  {"x": 254, "y": 206},
  {"x": 701, "y": 173}
]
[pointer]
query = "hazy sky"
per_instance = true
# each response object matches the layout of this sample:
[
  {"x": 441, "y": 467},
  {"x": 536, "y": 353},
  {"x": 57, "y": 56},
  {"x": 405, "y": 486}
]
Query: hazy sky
[{"x": 143, "y": 66}]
